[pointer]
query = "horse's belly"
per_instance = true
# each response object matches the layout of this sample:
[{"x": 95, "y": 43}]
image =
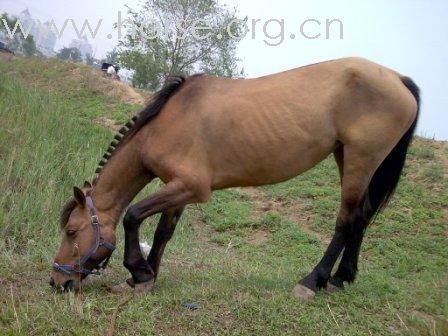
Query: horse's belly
[{"x": 259, "y": 161}]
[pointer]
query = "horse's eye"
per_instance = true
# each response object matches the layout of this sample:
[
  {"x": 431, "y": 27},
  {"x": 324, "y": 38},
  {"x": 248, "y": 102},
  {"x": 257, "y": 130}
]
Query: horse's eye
[{"x": 71, "y": 232}]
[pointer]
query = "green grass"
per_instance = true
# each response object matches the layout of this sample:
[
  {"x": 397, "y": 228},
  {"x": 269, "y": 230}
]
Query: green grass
[
  {"x": 433, "y": 173},
  {"x": 423, "y": 152},
  {"x": 49, "y": 141}
]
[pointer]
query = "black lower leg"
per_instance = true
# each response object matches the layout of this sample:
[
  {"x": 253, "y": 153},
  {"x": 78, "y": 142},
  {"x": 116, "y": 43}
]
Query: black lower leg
[
  {"x": 163, "y": 234},
  {"x": 133, "y": 258},
  {"x": 318, "y": 278},
  {"x": 348, "y": 266},
  {"x": 174, "y": 195}
]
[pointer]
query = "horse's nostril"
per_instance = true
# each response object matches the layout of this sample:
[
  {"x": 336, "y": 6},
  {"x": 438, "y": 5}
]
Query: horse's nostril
[
  {"x": 52, "y": 284},
  {"x": 68, "y": 286}
]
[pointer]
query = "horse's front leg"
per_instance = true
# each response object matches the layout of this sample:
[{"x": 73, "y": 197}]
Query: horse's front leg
[
  {"x": 170, "y": 200},
  {"x": 133, "y": 258},
  {"x": 146, "y": 271},
  {"x": 163, "y": 234}
]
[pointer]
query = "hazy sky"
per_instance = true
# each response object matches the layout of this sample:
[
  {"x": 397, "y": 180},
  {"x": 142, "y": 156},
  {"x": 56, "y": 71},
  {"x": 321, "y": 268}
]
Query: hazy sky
[{"x": 409, "y": 36}]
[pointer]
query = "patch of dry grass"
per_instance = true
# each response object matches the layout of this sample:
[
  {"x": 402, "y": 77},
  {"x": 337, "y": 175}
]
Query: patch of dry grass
[{"x": 66, "y": 77}]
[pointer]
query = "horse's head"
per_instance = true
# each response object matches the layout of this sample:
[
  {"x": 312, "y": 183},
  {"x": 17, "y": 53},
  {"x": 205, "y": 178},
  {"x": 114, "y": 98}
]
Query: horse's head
[{"x": 87, "y": 243}]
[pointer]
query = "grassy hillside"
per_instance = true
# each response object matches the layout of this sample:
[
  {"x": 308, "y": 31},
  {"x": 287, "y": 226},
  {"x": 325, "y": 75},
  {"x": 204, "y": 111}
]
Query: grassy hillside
[{"x": 238, "y": 257}]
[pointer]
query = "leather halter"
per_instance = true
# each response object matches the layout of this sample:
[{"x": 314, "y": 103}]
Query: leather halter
[{"x": 99, "y": 241}]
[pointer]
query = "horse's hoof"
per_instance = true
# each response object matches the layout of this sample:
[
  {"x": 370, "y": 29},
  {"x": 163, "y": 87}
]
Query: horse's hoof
[
  {"x": 144, "y": 287},
  {"x": 332, "y": 288},
  {"x": 122, "y": 288},
  {"x": 132, "y": 288},
  {"x": 303, "y": 293}
]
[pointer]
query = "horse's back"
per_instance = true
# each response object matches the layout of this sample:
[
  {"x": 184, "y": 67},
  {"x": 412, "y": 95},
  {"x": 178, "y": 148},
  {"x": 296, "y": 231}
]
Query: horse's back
[{"x": 270, "y": 129}]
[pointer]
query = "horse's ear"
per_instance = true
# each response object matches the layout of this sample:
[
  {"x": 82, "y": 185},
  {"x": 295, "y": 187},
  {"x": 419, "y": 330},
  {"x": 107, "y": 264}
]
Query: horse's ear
[
  {"x": 79, "y": 196},
  {"x": 87, "y": 184}
]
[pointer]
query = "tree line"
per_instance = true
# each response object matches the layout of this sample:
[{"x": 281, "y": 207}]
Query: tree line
[{"x": 163, "y": 38}]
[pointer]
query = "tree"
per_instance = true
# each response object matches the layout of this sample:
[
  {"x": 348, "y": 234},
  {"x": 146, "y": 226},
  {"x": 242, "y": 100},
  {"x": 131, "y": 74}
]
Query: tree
[
  {"x": 13, "y": 42},
  {"x": 171, "y": 37},
  {"x": 17, "y": 43},
  {"x": 112, "y": 56},
  {"x": 29, "y": 46},
  {"x": 70, "y": 54},
  {"x": 90, "y": 60}
]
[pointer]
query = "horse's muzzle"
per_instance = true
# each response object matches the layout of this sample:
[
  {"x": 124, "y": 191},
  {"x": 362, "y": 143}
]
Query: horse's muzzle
[{"x": 67, "y": 286}]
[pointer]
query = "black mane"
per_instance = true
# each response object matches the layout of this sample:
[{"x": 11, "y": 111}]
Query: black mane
[{"x": 156, "y": 104}]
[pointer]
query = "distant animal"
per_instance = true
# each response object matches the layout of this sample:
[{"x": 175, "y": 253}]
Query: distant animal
[
  {"x": 105, "y": 66},
  {"x": 207, "y": 133},
  {"x": 110, "y": 68}
]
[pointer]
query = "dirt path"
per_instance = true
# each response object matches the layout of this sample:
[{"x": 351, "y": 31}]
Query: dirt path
[
  {"x": 108, "y": 123},
  {"x": 294, "y": 213},
  {"x": 98, "y": 82}
]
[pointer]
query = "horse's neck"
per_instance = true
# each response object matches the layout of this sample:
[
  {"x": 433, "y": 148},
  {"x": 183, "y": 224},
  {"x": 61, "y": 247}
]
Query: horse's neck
[{"x": 120, "y": 180}]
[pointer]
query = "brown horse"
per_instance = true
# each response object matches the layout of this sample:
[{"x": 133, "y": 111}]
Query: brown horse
[{"x": 205, "y": 133}]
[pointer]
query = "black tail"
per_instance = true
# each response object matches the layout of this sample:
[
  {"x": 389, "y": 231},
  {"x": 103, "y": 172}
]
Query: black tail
[{"x": 385, "y": 179}]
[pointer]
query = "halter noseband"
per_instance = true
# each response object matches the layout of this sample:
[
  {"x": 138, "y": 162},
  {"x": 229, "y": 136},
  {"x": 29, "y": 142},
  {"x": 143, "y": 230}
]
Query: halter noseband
[{"x": 99, "y": 241}]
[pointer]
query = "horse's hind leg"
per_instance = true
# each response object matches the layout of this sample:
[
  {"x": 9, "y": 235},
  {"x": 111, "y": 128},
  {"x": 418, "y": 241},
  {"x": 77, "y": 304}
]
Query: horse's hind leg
[
  {"x": 352, "y": 221},
  {"x": 339, "y": 157},
  {"x": 357, "y": 172},
  {"x": 318, "y": 278},
  {"x": 348, "y": 267},
  {"x": 359, "y": 214}
]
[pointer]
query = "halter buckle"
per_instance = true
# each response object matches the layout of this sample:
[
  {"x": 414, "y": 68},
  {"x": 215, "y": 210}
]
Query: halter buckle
[
  {"x": 95, "y": 220},
  {"x": 77, "y": 268}
]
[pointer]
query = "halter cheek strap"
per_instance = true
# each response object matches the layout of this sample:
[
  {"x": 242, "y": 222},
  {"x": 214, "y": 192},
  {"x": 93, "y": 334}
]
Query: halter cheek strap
[{"x": 99, "y": 241}]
